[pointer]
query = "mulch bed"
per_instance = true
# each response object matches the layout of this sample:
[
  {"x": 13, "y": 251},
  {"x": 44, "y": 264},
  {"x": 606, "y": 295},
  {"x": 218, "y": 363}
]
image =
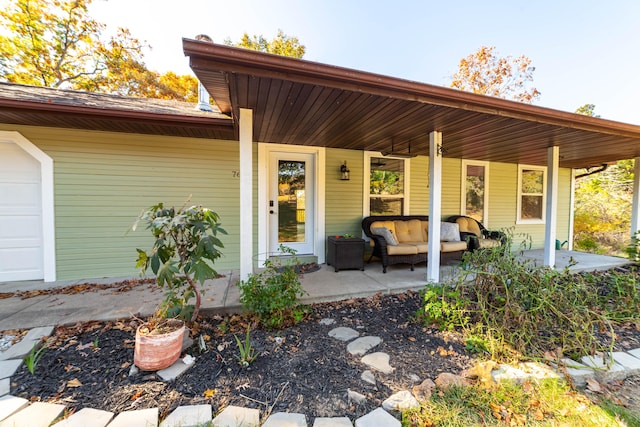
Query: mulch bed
[{"x": 298, "y": 369}]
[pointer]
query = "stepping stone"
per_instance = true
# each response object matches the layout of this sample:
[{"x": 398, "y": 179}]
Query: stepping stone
[
  {"x": 578, "y": 372},
  {"x": 368, "y": 377},
  {"x": 378, "y": 361},
  {"x": 38, "y": 414},
  {"x": 284, "y": 419},
  {"x": 236, "y": 416},
  {"x": 23, "y": 348},
  {"x": 523, "y": 372},
  {"x": 635, "y": 352},
  {"x": 343, "y": 334},
  {"x": 630, "y": 363},
  {"x": 356, "y": 397},
  {"x": 174, "y": 371},
  {"x": 605, "y": 373},
  {"x": 378, "y": 418},
  {"x": 400, "y": 401},
  {"x": 332, "y": 422},
  {"x": 9, "y": 367},
  {"x": 188, "y": 416},
  {"x": 360, "y": 346},
  {"x": 142, "y": 417},
  {"x": 87, "y": 417},
  {"x": 10, "y": 405}
]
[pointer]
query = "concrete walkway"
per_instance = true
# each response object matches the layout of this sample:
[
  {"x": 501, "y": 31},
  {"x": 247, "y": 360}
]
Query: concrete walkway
[{"x": 223, "y": 296}]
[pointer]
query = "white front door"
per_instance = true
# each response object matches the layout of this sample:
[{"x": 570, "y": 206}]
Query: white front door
[
  {"x": 21, "y": 241},
  {"x": 291, "y": 202}
]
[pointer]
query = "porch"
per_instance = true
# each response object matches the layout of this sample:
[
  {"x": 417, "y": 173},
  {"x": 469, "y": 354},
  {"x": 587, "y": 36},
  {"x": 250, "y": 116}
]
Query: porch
[{"x": 222, "y": 296}]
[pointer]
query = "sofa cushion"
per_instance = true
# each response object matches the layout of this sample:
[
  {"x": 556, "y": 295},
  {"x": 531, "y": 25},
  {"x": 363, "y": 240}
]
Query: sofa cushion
[
  {"x": 468, "y": 225},
  {"x": 402, "y": 249},
  {"x": 409, "y": 230},
  {"x": 423, "y": 247},
  {"x": 425, "y": 230},
  {"x": 449, "y": 232},
  {"x": 453, "y": 246},
  {"x": 386, "y": 233}
]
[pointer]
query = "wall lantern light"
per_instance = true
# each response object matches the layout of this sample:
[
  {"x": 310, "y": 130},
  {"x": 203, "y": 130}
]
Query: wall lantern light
[{"x": 344, "y": 172}]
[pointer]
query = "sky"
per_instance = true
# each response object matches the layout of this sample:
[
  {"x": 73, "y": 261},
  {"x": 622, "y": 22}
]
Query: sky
[{"x": 584, "y": 51}]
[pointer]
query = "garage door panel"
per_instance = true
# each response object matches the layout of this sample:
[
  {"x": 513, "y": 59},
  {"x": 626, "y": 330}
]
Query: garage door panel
[{"x": 21, "y": 247}]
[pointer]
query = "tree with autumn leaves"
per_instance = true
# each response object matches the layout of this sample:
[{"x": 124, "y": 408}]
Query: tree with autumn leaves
[
  {"x": 56, "y": 43},
  {"x": 484, "y": 72}
]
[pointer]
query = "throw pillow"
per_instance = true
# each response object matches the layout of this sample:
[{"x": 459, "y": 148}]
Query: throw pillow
[
  {"x": 449, "y": 232},
  {"x": 387, "y": 234}
]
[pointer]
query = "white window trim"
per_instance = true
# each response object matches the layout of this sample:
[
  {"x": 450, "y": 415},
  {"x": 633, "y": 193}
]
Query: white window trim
[
  {"x": 463, "y": 189},
  {"x": 366, "y": 204},
  {"x": 519, "y": 220}
]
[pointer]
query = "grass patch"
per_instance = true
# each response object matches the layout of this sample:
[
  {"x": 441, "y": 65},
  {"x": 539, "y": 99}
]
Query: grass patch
[{"x": 545, "y": 403}]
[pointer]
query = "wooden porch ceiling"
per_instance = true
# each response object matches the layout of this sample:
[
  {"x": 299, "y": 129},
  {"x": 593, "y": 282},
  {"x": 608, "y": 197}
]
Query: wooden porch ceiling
[{"x": 306, "y": 103}]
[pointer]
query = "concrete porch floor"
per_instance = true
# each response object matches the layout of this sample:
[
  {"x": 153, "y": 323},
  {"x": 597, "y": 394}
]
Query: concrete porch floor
[{"x": 223, "y": 296}]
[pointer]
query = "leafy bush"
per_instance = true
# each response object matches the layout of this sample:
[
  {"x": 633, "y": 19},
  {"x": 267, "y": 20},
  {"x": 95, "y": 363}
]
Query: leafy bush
[
  {"x": 633, "y": 250},
  {"x": 185, "y": 247},
  {"x": 509, "y": 307},
  {"x": 273, "y": 294}
]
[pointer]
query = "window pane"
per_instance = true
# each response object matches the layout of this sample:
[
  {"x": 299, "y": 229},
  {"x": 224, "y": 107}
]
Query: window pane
[
  {"x": 387, "y": 176},
  {"x": 532, "y": 181},
  {"x": 386, "y": 206},
  {"x": 291, "y": 201},
  {"x": 531, "y": 207},
  {"x": 475, "y": 192}
]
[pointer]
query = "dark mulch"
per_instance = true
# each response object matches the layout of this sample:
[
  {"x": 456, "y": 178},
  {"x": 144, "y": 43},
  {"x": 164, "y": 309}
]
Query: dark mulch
[{"x": 298, "y": 369}]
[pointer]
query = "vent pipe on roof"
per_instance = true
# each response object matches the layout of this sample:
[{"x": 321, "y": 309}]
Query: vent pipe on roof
[{"x": 203, "y": 95}]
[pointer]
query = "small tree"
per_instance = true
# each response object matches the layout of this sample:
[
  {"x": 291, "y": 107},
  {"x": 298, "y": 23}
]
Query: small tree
[
  {"x": 485, "y": 73},
  {"x": 185, "y": 248}
]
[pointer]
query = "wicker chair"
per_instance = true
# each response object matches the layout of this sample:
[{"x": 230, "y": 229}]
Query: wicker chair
[{"x": 477, "y": 236}]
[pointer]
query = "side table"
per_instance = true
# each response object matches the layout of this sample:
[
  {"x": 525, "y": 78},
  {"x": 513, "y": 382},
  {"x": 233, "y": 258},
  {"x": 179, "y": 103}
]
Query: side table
[{"x": 345, "y": 252}]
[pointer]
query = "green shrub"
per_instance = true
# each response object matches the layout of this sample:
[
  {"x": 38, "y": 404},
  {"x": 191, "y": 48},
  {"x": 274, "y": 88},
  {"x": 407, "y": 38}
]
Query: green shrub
[
  {"x": 273, "y": 294},
  {"x": 509, "y": 307}
]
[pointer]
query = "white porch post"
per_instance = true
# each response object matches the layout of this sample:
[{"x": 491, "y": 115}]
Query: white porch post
[
  {"x": 635, "y": 209},
  {"x": 553, "y": 158},
  {"x": 435, "y": 206},
  {"x": 246, "y": 193}
]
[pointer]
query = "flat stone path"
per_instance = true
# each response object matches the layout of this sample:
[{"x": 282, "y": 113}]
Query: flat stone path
[{"x": 18, "y": 412}]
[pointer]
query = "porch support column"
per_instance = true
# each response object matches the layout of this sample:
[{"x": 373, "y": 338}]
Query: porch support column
[
  {"x": 246, "y": 193},
  {"x": 635, "y": 209},
  {"x": 553, "y": 160},
  {"x": 435, "y": 206}
]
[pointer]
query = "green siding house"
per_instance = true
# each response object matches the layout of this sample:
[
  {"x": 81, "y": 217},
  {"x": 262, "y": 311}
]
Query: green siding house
[{"x": 293, "y": 152}]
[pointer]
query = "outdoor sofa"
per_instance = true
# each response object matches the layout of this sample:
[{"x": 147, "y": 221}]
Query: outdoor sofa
[{"x": 404, "y": 239}]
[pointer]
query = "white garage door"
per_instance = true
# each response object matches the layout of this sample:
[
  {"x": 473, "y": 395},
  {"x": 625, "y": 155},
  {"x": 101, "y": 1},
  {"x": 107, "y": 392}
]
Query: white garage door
[{"x": 21, "y": 248}]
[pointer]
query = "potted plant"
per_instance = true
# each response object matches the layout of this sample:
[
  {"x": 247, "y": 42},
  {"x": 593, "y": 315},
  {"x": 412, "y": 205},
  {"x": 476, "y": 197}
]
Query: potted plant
[{"x": 182, "y": 256}]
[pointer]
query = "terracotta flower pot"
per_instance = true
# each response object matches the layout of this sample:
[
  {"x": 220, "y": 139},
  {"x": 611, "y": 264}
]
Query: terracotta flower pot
[{"x": 157, "y": 350}]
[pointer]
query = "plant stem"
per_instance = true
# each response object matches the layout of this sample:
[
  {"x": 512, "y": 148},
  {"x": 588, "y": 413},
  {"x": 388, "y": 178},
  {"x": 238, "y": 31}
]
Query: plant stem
[{"x": 196, "y": 291}]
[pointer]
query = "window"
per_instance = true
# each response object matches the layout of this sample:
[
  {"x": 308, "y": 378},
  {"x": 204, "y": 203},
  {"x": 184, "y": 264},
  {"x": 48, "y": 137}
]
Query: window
[
  {"x": 387, "y": 190},
  {"x": 532, "y": 181},
  {"x": 475, "y": 190}
]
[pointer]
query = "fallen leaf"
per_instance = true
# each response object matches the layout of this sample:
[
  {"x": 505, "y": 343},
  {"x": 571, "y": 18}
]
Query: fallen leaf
[
  {"x": 538, "y": 415},
  {"x": 593, "y": 385},
  {"x": 412, "y": 339},
  {"x": 209, "y": 392},
  {"x": 125, "y": 365},
  {"x": 137, "y": 395},
  {"x": 74, "y": 383}
]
